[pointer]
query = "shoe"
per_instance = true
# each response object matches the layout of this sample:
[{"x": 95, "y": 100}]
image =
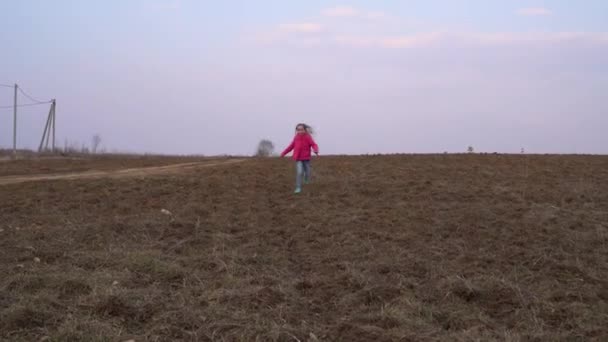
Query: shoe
[
  {"x": 298, "y": 190},
  {"x": 306, "y": 181}
]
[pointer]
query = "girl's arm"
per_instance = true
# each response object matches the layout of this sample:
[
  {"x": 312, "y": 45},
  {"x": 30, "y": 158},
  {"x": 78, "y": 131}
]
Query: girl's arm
[
  {"x": 314, "y": 145},
  {"x": 288, "y": 149}
]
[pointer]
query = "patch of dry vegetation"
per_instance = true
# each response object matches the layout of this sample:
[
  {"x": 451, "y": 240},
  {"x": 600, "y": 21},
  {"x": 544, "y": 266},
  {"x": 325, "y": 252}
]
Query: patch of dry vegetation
[{"x": 407, "y": 248}]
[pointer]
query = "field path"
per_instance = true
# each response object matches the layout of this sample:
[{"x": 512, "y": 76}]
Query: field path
[{"x": 131, "y": 172}]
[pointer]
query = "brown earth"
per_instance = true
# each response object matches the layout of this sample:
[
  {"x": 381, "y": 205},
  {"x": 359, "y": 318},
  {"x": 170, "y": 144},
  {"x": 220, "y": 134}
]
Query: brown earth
[
  {"x": 57, "y": 164},
  {"x": 132, "y": 172},
  {"x": 385, "y": 248}
]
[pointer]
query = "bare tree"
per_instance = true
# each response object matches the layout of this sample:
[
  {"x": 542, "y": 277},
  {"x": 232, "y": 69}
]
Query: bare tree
[
  {"x": 71, "y": 147},
  {"x": 470, "y": 149},
  {"x": 265, "y": 148},
  {"x": 95, "y": 142}
]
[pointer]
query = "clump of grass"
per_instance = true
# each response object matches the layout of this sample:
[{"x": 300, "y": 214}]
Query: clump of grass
[{"x": 149, "y": 268}]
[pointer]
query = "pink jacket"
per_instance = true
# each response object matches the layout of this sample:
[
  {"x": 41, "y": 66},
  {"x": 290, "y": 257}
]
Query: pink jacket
[{"x": 301, "y": 145}]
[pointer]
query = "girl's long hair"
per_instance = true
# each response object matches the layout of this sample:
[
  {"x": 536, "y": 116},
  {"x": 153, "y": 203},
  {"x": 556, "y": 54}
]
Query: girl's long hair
[{"x": 308, "y": 128}]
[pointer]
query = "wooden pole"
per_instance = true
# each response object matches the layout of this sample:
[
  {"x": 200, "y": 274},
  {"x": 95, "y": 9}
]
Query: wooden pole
[
  {"x": 15, "y": 123},
  {"x": 54, "y": 111},
  {"x": 46, "y": 128},
  {"x": 48, "y": 136}
]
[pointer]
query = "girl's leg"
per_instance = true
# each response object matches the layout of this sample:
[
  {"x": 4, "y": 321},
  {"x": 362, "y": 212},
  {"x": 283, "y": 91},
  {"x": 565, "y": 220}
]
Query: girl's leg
[
  {"x": 307, "y": 171},
  {"x": 299, "y": 174}
]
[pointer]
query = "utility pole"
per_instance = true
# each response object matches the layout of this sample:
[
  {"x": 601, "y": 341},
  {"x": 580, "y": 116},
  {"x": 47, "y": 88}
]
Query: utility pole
[
  {"x": 15, "y": 124},
  {"x": 47, "y": 131},
  {"x": 54, "y": 106}
]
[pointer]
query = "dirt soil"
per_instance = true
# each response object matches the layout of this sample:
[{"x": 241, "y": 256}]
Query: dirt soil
[
  {"x": 56, "y": 164},
  {"x": 132, "y": 172},
  {"x": 377, "y": 248}
]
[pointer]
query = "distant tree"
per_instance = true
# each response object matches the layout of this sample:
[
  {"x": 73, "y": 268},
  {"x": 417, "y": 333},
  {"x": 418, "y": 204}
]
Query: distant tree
[
  {"x": 72, "y": 147},
  {"x": 95, "y": 142},
  {"x": 265, "y": 148},
  {"x": 470, "y": 149}
]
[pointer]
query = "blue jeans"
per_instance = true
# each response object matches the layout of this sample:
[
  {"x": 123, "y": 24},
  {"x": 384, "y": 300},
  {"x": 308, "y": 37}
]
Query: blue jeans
[{"x": 302, "y": 172}]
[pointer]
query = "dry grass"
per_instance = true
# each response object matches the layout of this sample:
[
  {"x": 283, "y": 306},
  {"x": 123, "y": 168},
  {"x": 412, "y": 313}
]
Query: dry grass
[{"x": 399, "y": 248}]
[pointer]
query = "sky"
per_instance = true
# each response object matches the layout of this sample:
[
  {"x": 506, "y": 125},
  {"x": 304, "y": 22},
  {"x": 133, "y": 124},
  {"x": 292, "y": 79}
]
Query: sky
[{"x": 371, "y": 76}]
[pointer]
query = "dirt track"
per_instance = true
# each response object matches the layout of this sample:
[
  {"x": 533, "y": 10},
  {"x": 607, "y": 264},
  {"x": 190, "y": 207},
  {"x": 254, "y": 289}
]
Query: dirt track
[{"x": 133, "y": 172}]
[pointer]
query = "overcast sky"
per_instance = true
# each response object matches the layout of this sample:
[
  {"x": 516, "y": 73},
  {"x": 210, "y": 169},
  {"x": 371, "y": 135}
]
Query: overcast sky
[{"x": 372, "y": 76}]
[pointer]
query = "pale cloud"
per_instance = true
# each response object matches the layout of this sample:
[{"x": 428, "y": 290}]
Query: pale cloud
[
  {"x": 342, "y": 11},
  {"x": 346, "y": 11},
  {"x": 297, "y": 33},
  {"x": 330, "y": 32},
  {"x": 534, "y": 11},
  {"x": 355, "y": 41},
  {"x": 535, "y": 38},
  {"x": 410, "y": 41},
  {"x": 390, "y": 42},
  {"x": 302, "y": 27},
  {"x": 446, "y": 38},
  {"x": 376, "y": 15}
]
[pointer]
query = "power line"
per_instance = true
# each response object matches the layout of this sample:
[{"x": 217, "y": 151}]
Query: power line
[
  {"x": 50, "y": 124},
  {"x": 26, "y": 105},
  {"x": 24, "y": 93},
  {"x": 29, "y": 97}
]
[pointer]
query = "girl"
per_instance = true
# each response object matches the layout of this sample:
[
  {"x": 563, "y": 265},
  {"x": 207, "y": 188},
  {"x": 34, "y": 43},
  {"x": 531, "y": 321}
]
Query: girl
[{"x": 301, "y": 145}]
